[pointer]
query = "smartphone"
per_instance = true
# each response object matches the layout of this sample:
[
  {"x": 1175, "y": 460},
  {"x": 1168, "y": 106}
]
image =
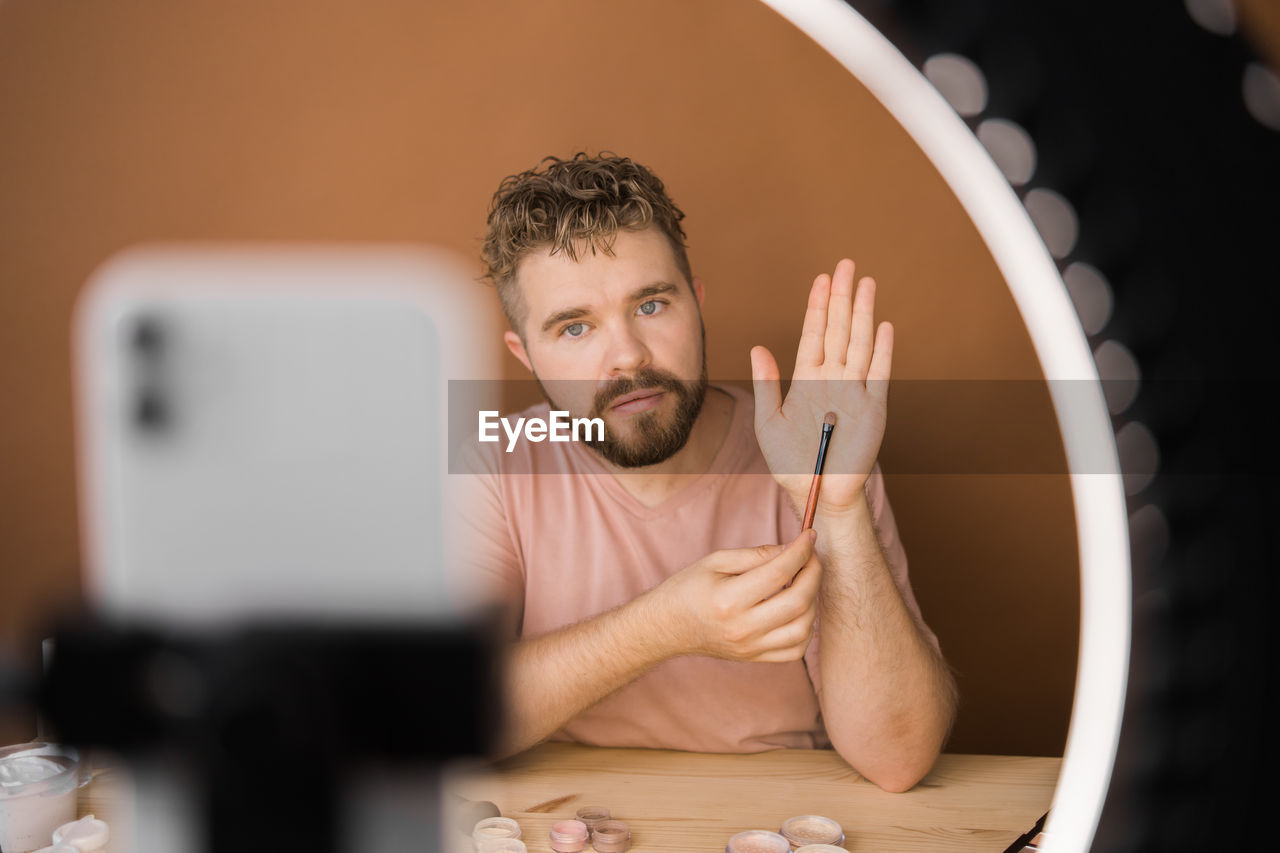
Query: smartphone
[{"x": 261, "y": 430}]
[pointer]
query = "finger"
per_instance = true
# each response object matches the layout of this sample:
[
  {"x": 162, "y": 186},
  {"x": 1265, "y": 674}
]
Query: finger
[
  {"x": 858, "y": 359},
  {"x": 766, "y": 579},
  {"x": 790, "y": 641},
  {"x": 796, "y": 632},
  {"x": 781, "y": 655},
  {"x": 881, "y": 364},
  {"x": 839, "y": 314},
  {"x": 800, "y": 591},
  {"x": 765, "y": 380},
  {"x": 738, "y": 561},
  {"x": 815, "y": 323},
  {"x": 809, "y": 578},
  {"x": 783, "y": 608}
]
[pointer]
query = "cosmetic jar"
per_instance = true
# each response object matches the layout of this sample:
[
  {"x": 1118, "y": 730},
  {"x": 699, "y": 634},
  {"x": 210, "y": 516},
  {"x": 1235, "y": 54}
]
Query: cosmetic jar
[
  {"x": 569, "y": 836},
  {"x": 466, "y": 813},
  {"x": 757, "y": 841},
  {"x": 591, "y": 815},
  {"x": 820, "y": 848},
  {"x": 38, "y": 785},
  {"x": 812, "y": 829},
  {"x": 611, "y": 836},
  {"x": 494, "y": 827},
  {"x": 501, "y": 845},
  {"x": 88, "y": 835}
]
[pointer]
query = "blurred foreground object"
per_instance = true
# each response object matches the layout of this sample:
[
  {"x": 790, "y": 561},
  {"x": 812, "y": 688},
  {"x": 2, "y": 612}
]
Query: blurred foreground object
[
  {"x": 262, "y": 432},
  {"x": 38, "y": 786},
  {"x": 276, "y": 644}
]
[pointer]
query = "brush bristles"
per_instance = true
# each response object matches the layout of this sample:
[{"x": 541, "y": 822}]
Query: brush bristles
[{"x": 829, "y": 419}]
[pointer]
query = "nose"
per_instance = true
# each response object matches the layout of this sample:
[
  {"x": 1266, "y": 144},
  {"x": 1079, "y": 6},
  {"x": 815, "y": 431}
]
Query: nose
[{"x": 627, "y": 352}]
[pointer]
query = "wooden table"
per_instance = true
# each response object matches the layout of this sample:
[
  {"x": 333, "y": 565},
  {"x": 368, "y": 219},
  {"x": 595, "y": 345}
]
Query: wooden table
[{"x": 693, "y": 802}]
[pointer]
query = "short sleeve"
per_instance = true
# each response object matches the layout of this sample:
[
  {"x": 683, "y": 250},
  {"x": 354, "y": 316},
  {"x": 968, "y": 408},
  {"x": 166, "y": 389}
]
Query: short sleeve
[
  {"x": 479, "y": 542},
  {"x": 895, "y": 557}
]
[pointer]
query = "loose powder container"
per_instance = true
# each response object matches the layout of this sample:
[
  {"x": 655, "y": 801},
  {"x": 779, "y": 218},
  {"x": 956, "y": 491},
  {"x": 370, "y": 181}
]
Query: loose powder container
[
  {"x": 820, "y": 848},
  {"x": 86, "y": 834},
  {"x": 494, "y": 827},
  {"x": 757, "y": 841},
  {"x": 38, "y": 789},
  {"x": 569, "y": 836},
  {"x": 591, "y": 815},
  {"x": 468, "y": 813},
  {"x": 501, "y": 845},
  {"x": 611, "y": 836},
  {"x": 812, "y": 829}
]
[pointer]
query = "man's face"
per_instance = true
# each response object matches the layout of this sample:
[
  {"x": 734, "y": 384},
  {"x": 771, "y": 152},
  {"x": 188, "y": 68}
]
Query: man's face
[{"x": 617, "y": 337}]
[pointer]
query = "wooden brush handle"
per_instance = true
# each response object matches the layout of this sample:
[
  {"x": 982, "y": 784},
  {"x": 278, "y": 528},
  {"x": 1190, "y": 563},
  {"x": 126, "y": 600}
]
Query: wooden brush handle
[{"x": 812, "y": 506}]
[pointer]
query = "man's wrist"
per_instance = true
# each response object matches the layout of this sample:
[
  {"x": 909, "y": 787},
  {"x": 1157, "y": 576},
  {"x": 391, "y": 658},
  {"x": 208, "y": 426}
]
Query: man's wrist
[
  {"x": 854, "y": 511},
  {"x": 844, "y": 529},
  {"x": 825, "y": 508},
  {"x": 653, "y": 632}
]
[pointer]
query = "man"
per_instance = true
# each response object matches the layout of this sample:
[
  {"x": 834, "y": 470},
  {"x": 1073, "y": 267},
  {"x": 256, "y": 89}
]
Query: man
[{"x": 640, "y": 615}]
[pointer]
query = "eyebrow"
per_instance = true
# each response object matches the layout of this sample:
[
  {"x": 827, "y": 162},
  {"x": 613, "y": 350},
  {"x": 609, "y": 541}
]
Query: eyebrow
[{"x": 656, "y": 289}]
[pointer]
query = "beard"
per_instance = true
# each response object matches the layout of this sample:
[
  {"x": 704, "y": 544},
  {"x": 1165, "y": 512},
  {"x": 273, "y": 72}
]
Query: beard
[{"x": 656, "y": 436}]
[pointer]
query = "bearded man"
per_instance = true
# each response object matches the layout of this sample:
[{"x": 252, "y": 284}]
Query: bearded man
[{"x": 661, "y": 590}]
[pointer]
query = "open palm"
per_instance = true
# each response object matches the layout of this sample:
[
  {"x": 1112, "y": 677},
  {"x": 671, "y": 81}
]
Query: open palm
[{"x": 842, "y": 366}]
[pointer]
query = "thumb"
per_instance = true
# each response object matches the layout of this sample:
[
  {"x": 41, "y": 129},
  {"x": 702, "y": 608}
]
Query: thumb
[
  {"x": 765, "y": 382},
  {"x": 776, "y": 573}
]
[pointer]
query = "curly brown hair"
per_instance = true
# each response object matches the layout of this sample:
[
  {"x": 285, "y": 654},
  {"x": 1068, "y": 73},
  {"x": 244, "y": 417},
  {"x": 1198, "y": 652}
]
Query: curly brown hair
[{"x": 571, "y": 205}]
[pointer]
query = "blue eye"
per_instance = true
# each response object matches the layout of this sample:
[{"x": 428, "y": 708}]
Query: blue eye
[
  {"x": 575, "y": 330},
  {"x": 650, "y": 308}
]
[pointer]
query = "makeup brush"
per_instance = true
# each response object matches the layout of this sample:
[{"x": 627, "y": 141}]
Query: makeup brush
[{"x": 828, "y": 426}]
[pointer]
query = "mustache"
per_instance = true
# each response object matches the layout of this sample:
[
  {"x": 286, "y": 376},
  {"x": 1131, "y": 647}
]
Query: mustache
[{"x": 646, "y": 377}]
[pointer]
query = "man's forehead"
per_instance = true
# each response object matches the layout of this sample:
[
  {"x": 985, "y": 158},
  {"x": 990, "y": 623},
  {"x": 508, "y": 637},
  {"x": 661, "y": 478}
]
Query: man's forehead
[{"x": 551, "y": 281}]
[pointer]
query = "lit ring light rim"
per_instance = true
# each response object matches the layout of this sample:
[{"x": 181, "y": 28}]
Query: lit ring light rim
[{"x": 1063, "y": 350}]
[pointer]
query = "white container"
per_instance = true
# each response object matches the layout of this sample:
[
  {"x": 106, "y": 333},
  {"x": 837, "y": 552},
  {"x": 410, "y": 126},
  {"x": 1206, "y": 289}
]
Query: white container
[
  {"x": 38, "y": 787},
  {"x": 501, "y": 845},
  {"x": 494, "y": 827},
  {"x": 87, "y": 835}
]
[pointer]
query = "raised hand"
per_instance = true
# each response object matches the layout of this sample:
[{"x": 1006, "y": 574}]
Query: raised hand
[{"x": 842, "y": 366}]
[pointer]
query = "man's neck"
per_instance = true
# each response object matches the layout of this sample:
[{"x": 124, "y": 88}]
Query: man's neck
[{"x": 654, "y": 484}]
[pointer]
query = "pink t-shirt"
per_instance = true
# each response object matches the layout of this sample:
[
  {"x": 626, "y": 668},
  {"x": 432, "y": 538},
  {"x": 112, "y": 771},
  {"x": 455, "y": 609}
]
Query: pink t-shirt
[{"x": 549, "y": 527}]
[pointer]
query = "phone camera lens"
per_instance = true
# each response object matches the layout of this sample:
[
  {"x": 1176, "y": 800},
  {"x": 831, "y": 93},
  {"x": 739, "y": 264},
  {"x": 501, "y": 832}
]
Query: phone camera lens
[
  {"x": 148, "y": 338},
  {"x": 151, "y": 412}
]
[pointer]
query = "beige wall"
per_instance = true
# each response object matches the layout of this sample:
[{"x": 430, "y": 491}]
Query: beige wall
[{"x": 396, "y": 120}]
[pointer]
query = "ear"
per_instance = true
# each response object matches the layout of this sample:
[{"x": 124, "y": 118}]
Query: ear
[
  {"x": 699, "y": 292},
  {"x": 513, "y": 342}
]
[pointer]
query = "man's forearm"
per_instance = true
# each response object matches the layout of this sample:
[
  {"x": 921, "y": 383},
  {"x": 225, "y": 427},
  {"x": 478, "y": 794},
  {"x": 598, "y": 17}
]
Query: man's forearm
[
  {"x": 554, "y": 677},
  {"x": 888, "y": 698}
]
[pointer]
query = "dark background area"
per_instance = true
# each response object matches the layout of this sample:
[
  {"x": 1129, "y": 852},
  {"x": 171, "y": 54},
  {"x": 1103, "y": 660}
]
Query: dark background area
[{"x": 1138, "y": 119}]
